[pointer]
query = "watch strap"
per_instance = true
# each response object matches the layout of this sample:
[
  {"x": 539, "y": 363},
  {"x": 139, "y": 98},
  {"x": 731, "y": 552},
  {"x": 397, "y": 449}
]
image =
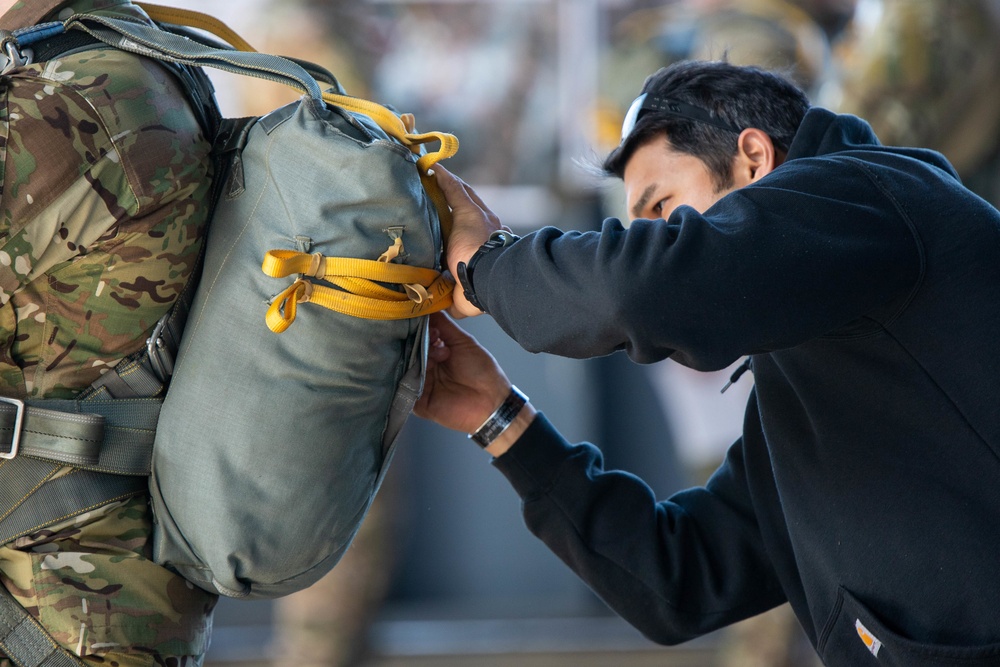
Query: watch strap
[
  {"x": 501, "y": 418},
  {"x": 498, "y": 239}
]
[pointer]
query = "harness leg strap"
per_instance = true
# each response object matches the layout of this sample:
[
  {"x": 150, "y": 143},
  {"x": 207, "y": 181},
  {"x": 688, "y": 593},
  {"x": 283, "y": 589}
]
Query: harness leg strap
[{"x": 25, "y": 642}]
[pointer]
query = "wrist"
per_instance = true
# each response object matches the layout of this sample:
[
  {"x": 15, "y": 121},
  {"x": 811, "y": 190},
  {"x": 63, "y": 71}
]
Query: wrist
[
  {"x": 512, "y": 433},
  {"x": 501, "y": 418},
  {"x": 508, "y": 421},
  {"x": 465, "y": 270}
]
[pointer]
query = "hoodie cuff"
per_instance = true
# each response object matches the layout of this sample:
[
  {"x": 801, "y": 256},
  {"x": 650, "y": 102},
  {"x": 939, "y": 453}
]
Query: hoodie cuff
[{"x": 532, "y": 462}]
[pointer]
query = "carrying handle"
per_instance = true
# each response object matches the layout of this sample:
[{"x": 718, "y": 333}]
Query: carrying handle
[
  {"x": 152, "y": 42},
  {"x": 386, "y": 119},
  {"x": 390, "y": 123}
]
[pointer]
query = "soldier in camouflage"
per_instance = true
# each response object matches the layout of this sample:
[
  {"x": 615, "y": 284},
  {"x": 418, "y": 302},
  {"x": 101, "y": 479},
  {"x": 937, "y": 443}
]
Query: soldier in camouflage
[{"x": 105, "y": 175}]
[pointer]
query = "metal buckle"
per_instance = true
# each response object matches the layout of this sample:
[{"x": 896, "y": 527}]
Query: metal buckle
[
  {"x": 15, "y": 56},
  {"x": 18, "y": 420},
  {"x": 160, "y": 357}
]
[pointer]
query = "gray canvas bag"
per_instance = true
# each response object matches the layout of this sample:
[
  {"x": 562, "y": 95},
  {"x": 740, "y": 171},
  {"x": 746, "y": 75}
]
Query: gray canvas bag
[{"x": 270, "y": 446}]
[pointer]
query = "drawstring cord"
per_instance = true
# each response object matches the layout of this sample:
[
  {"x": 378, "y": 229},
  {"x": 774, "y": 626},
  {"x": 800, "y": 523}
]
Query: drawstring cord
[{"x": 737, "y": 374}]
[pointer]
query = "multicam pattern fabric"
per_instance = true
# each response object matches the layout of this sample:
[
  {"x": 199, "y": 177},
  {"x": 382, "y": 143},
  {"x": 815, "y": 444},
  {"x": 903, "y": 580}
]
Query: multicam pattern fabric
[
  {"x": 104, "y": 183},
  {"x": 90, "y": 582},
  {"x": 94, "y": 245}
]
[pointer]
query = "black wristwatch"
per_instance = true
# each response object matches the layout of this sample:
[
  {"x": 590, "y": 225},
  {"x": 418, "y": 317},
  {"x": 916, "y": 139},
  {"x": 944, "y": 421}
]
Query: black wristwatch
[{"x": 498, "y": 239}]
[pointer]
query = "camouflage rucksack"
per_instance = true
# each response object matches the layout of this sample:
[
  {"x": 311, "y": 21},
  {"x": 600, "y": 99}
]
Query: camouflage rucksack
[{"x": 269, "y": 446}]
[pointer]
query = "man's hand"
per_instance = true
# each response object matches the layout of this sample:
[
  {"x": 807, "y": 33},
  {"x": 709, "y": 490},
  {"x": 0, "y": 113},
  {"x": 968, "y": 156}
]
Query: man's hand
[
  {"x": 464, "y": 385},
  {"x": 472, "y": 224}
]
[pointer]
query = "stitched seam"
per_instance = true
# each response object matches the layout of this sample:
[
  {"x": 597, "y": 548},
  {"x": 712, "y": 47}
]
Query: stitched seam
[
  {"x": 28, "y": 495},
  {"x": 918, "y": 242},
  {"x": 77, "y": 513},
  {"x": 130, "y": 176},
  {"x": 54, "y": 435}
]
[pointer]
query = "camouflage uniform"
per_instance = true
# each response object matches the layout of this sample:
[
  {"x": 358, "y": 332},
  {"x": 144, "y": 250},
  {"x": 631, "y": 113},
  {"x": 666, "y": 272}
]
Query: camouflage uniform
[
  {"x": 925, "y": 75},
  {"x": 104, "y": 176}
]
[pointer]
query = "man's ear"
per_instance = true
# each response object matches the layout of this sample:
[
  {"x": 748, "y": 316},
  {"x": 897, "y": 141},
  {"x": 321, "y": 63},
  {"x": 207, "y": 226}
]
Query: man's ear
[{"x": 756, "y": 156}]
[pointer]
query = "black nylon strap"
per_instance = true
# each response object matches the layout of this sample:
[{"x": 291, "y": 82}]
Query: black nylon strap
[
  {"x": 56, "y": 46},
  {"x": 34, "y": 501},
  {"x": 112, "y": 436}
]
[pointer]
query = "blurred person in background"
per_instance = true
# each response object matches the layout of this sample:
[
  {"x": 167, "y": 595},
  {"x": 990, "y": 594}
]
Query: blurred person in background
[
  {"x": 862, "y": 490},
  {"x": 925, "y": 73}
]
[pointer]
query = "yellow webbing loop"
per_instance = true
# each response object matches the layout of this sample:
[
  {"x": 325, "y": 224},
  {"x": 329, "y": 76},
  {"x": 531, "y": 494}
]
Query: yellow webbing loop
[
  {"x": 193, "y": 19},
  {"x": 282, "y": 311},
  {"x": 425, "y": 290},
  {"x": 282, "y": 263},
  {"x": 395, "y": 127}
]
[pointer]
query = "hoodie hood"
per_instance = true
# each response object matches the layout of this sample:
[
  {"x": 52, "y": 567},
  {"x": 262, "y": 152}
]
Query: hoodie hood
[{"x": 823, "y": 132}]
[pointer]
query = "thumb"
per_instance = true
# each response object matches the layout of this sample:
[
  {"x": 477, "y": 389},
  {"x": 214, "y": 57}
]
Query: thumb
[{"x": 448, "y": 331}]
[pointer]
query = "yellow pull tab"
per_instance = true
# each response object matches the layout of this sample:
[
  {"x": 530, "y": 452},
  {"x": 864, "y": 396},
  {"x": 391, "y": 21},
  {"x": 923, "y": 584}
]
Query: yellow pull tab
[
  {"x": 281, "y": 313},
  {"x": 393, "y": 251}
]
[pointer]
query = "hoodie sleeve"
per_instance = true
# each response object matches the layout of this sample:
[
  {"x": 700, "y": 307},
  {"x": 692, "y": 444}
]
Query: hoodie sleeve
[
  {"x": 674, "y": 569},
  {"x": 767, "y": 267}
]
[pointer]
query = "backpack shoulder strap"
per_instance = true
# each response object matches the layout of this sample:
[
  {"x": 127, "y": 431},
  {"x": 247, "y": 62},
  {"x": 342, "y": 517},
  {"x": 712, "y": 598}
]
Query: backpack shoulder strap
[{"x": 27, "y": 12}]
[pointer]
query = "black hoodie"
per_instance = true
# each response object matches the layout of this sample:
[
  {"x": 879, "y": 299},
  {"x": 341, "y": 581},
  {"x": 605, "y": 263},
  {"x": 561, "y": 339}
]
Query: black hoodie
[{"x": 864, "y": 281}]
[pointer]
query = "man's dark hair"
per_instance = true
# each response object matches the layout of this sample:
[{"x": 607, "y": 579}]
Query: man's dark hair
[{"x": 740, "y": 96}]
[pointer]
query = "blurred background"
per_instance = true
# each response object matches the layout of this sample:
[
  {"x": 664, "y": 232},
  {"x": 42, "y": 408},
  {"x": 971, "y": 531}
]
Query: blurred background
[{"x": 443, "y": 571}]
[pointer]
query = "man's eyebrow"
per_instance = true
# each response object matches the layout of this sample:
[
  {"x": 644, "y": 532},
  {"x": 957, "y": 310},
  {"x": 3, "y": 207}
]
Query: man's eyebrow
[{"x": 643, "y": 200}]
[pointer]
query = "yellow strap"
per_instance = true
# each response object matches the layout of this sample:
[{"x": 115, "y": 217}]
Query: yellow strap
[
  {"x": 193, "y": 19},
  {"x": 282, "y": 263},
  {"x": 282, "y": 311},
  {"x": 394, "y": 126},
  {"x": 425, "y": 290}
]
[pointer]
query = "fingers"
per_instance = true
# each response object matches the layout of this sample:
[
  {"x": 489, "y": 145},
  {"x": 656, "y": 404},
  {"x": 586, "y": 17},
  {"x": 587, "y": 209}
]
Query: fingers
[
  {"x": 458, "y": 192},
  {"x": 438, "y": 352},
  {"x": 448, "y": 332},
  {"x": 455, "y": 189}
]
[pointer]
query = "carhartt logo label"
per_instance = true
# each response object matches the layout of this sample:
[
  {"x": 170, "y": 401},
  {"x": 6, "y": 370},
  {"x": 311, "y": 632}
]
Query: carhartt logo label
[{"x": 870, "y": 640}]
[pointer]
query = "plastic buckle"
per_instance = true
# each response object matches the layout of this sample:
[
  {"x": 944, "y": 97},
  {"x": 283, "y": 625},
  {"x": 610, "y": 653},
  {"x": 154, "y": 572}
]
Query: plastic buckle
[{"x": 18, "y": 420}]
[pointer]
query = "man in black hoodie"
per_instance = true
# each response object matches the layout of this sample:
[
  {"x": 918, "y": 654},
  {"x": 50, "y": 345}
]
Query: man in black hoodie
[{"x": 860, "y": 281}]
